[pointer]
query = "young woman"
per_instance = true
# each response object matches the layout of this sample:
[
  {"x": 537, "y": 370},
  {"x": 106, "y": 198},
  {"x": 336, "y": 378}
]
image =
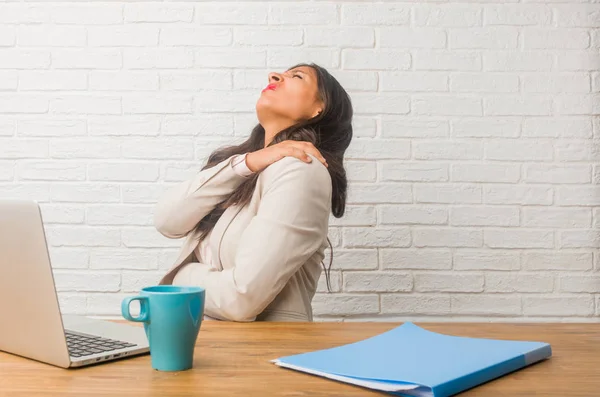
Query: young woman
[{"x": 256, "y": 216}]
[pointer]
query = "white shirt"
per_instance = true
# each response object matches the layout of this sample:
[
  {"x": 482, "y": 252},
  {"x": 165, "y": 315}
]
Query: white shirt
[
  {"x": 262, "y": 257},
  {"x": 202, "y": 251}
]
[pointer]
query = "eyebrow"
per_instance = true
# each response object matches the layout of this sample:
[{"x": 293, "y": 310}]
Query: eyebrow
[{"x": 299, "y": 71}]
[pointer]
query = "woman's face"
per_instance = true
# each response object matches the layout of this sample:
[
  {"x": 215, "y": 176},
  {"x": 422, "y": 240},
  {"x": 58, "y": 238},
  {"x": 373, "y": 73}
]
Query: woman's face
[{"x": 291, "y": 95}]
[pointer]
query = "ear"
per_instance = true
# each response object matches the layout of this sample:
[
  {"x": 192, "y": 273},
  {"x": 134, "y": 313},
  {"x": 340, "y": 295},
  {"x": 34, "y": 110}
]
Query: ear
[{"x": 317, "y": 112}]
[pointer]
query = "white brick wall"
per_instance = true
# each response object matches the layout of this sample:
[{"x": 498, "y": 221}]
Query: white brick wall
[{"x": 473, "y": 174}]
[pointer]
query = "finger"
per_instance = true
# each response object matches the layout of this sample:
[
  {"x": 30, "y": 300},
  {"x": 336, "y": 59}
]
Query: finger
[
  {"x": 309, "y": 148},
  {"x": 318, "y": 155},
  {"x": 300, "y": 144},
  {"x": 299, "y": 154}
]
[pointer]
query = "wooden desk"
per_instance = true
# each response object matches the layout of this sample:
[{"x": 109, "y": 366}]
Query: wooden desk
[{"x": 233, "y": 360}]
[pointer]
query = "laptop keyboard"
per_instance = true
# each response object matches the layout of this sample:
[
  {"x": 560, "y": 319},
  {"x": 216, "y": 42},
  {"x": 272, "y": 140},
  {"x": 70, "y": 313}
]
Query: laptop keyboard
[{"x": 85, "y": 345}]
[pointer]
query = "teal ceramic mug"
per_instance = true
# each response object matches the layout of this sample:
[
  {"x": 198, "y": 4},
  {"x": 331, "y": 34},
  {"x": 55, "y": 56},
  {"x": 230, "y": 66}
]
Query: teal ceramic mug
[{"x": 172, "y": 316}]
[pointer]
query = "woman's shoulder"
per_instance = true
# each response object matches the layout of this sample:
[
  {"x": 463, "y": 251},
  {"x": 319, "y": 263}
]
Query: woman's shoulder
[
  {"x": 291, "y": 165},
  {"x": 297, "y": 170}
]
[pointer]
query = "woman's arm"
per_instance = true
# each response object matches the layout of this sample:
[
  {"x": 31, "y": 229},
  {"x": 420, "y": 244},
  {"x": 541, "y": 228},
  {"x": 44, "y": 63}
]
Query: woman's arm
[
  {"x": 183, "y": 206},
  {"x": 290, "y": 226}
]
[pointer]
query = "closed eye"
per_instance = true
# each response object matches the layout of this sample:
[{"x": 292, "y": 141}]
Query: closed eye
[{"x": 297, "y": 75}]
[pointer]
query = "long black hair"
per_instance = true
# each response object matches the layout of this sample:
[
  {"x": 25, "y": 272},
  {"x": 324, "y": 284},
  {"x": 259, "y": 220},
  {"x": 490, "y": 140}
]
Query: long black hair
[{"x": 330, "y": 131}]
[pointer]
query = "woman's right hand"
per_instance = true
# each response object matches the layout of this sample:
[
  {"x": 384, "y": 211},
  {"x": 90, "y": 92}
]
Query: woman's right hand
[{"x": 261, "y": 159}]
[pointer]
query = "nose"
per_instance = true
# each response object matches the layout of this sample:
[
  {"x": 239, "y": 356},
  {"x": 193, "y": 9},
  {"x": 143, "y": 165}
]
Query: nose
[{"x": 275, "y": 77}]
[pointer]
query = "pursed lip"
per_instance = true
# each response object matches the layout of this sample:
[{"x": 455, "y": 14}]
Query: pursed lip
[{"x": 270, "y": 87}]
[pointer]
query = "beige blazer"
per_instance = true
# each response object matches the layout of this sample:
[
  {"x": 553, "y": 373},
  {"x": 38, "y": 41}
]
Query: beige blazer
[{"x": 268, "y": 254}]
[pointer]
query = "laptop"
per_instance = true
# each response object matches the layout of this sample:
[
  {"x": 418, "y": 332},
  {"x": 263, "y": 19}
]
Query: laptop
[{"x": 31, "y": 323}]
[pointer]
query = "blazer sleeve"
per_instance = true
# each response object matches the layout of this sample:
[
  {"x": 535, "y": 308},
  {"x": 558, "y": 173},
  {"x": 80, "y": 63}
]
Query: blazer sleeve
[
  {"x": 290, "y": 226},
  {"x": 181, "y": 208}
]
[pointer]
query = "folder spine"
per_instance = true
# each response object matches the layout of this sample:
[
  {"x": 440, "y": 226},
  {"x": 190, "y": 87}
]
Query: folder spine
[
  {"x": 538, "y": 354},
  {"x": 474, "y": 379}
]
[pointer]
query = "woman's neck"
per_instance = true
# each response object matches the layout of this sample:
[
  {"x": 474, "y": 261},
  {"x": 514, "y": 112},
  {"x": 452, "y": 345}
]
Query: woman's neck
[{"x": 273, "y": 127}]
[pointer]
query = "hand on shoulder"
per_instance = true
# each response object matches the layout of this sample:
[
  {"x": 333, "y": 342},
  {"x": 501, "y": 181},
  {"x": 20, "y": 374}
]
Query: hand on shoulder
[{"x": 261, "y": 159}]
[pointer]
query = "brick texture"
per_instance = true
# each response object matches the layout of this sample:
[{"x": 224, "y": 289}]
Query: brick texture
[{"x": 474, "y": 172}]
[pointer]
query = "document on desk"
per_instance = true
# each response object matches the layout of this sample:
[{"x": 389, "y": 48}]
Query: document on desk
[{"x": 411, "y": 361}]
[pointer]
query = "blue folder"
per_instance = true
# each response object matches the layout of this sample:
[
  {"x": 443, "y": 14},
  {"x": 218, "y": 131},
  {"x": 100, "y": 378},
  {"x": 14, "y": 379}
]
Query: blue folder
[{"x": 411, "y": 361}]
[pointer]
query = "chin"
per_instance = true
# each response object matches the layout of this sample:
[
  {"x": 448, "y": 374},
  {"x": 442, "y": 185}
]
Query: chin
[
  {"x": 259, "y": 108},
  {"x": 263, "y": 107},
  {"x": 264, "y": 102}
]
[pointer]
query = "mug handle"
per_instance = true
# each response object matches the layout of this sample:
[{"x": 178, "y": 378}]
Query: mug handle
[{"x": 144, "y": 309}]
